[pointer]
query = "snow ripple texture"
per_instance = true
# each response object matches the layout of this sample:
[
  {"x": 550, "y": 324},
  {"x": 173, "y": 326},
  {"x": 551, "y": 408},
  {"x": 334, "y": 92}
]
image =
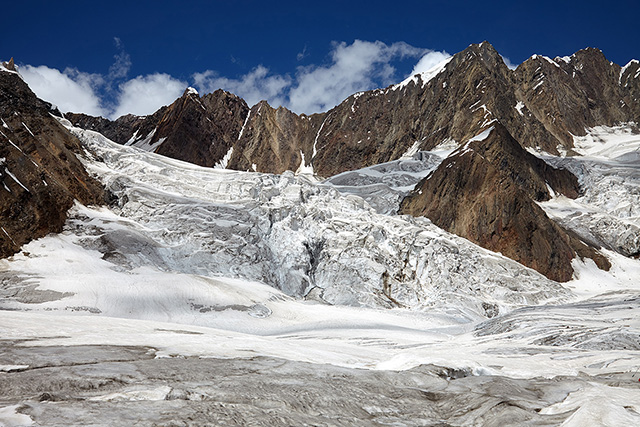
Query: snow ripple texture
[{"x": 305, "y": 239}]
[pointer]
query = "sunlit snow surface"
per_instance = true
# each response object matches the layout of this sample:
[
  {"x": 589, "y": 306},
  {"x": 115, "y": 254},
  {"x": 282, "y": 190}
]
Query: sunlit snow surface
[{"x": 199, "y": 262}]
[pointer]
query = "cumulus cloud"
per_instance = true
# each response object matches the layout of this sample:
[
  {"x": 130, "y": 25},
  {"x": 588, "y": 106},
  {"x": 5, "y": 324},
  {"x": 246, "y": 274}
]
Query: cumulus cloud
[
  {"x": 75, "y": 91},
  {"x": 145, "y": 94},
  {"x": 429, "y": 61},
  {"x": 349, "y": 68},
  {"x": 254, "y": 86},
  {"x": 359, "y": 66},
  {"x": 354, "y": 67},
  {"x": 109, "y": 95},
  {"x": 70, "y": 90}
]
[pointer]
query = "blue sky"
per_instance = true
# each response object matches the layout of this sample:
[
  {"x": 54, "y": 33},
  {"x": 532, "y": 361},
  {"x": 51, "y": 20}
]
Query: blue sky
[{"x": 114, "y": 57}]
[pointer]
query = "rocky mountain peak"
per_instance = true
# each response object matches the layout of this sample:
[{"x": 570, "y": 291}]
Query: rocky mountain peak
[
  {"x": 531, "y": 174},
  {"x": 589, "y": 55},
  {"x": 485, "y": 52},
  {"x": 630, "y": 71},
  {"x": 198, "y": 130},
  {"x": 190, "y": 91},
  {"x": 629, "y": 82},
  {"x": 10, "y": 65},
  {"x": 481, "y": 58},
  {"x": 273, "y": 139},
  {"x": 570, "y": 94}
]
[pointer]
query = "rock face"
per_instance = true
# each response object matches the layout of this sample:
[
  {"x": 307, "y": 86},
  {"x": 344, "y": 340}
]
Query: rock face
[
  {"x": 629, "y": 80},
  {"x": 486, "y": 191},
  {"x": 193, "y": 129},
  {"x": 40, "y": 175},
  {"x": 274, "y": 140},
  {"x": 452, "y": 103},
  {"x": 570, "y": 94},
  {"x": 200, "y": 130},
  {"x": 123, "y": 129}
]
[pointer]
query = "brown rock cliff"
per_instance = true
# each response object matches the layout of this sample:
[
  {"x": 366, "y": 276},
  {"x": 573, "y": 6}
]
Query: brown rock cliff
[{"x": 40, "y": 176}]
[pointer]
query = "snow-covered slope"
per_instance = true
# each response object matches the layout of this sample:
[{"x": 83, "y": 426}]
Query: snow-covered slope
[
  {"x": 196, "y": 262},
  {"x": 304, "y": 239},
  {"x": 608, "y": 212}
]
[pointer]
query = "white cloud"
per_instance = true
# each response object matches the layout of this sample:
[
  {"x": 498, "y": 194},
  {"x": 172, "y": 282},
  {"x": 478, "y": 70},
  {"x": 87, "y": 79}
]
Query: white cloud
[
  {"x": 429, "y": 61},
  {"x": 359, "y": 66},
  {"x": 70, "y": 90},
  {"x": 353, "y": 67},
  {"x": 350, "y": 68},
  {"x": 145, "y": 94},
  {"x": 508, "y": 63},
  {"x": 75, "y": 91},
  {"x": 301, "y": 55},
  {"x": 121, "y": 66},
  {"x": 109, "y": 95},
  {"x": 252, "y": 87}
]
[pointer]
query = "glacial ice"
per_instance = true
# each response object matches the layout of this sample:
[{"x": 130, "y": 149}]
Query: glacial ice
[{"x": 269, "y": 273}]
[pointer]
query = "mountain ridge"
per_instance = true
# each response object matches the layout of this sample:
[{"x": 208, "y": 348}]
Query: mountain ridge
[
  {"x": 542, "y": 101},
  {"x": 487, "y": 191}
]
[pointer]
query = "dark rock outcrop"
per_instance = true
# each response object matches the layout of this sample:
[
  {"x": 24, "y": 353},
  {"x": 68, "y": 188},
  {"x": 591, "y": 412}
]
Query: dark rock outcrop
[
  {"x": 199, "y": 130},
  {"x": 123, "y": 130},
  {"x": 40, "y": 176},
  {"x": 486, "y": 192},
  {"x": 274, "y": 140},
  {"x": 629, "y": 81}
]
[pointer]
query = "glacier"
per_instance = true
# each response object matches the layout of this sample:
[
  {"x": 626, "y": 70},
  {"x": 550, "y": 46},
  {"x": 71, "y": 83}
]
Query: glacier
[{"x": 215, "y": 296}]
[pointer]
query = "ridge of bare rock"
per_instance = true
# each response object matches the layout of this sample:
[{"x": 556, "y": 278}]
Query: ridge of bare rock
[
  {"x": 274, "y": 140},
  {"x": 544, "y": 102},
  {"x": 200, "y": 130},
  {"x": 568, "y": 95}
]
